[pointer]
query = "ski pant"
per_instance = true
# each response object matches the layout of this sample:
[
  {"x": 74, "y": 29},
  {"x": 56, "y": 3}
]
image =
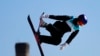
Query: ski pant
[{"x": 55, "y": 37}]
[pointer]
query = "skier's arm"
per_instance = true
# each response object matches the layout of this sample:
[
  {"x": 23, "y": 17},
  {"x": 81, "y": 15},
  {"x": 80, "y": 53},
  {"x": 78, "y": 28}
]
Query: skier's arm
[
  {"x": 58, "y": 17},
  {"x": 72, "y": 36}
]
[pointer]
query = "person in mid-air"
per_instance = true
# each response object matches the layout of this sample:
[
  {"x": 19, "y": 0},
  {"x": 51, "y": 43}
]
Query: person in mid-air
[{"x": 63, "y": 25}]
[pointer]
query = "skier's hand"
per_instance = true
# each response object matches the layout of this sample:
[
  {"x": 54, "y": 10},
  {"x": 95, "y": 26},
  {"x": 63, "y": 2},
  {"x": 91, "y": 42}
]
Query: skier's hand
[
  {"x": 63, "y": 45},
  {"x": 45, "y": 16}
]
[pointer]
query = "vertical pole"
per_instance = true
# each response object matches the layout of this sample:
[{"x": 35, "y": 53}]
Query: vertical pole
[{"x": 22, "y": 49}]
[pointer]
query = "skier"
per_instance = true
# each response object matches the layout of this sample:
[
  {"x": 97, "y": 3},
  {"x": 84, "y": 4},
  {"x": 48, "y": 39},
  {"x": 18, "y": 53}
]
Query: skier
[{"x": 63, "y": 24}]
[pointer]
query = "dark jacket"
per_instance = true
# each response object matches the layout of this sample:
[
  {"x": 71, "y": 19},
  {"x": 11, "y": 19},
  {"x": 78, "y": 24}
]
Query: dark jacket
[{"x": 63, "y": 26}]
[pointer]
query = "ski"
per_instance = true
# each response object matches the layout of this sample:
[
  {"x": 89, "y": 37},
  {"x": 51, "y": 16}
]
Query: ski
[{"x": 35, "y": 33}]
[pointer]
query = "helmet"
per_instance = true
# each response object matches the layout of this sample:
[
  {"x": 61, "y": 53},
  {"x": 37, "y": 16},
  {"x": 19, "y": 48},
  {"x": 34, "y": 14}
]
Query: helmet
[{"x": 82, "y": 18}]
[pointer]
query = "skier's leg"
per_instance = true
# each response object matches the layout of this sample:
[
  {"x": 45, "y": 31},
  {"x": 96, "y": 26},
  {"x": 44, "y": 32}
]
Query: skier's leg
[
  {"x": 53, "y": 30},
  {"x": 49, "y": 40},
  {"x": 55, "y": 37}
]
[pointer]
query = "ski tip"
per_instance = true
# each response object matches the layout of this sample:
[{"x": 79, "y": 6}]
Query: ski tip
[
  {"x": 28, "y": 17},
  {"x": 42, "y": 13}
]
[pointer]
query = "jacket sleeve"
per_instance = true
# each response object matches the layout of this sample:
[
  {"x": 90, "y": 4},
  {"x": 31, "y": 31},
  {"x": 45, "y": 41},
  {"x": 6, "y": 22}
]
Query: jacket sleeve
[
  {"x": 58, "y": 17},
  {"x": 72, "y": 36}
]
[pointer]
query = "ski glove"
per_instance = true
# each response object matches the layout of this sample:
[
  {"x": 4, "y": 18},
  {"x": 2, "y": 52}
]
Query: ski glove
[
  {"x": 45, "y": 16},
  {"x": 63, "y": 46}
]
